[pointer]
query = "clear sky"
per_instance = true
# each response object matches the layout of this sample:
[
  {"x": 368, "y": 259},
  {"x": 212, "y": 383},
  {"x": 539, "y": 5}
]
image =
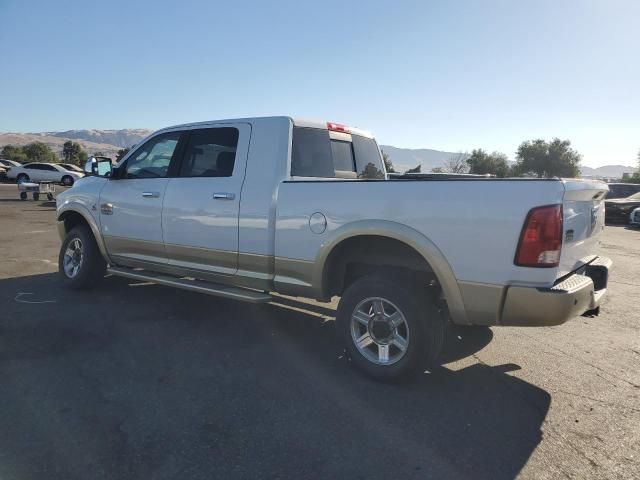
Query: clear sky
[{"x": 449, "y": 75}]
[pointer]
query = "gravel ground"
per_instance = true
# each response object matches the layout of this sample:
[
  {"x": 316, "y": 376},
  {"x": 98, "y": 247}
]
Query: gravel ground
[{"x": 140, "y": 381}]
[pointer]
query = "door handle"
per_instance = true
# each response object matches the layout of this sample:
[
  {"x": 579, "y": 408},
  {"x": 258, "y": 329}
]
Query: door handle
[
  {"x": 224, "y": 196},
  {"x": 106, "y": 208},
  {"x": 151, "y": 194}
]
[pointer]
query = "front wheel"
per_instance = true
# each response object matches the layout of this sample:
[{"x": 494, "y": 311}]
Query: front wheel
[
  {"x": 67, "y": 181},
  {"x": 80, "y": 262},
  {"x": 23, "y": 177},
  {"x": 390, "y": 326}
]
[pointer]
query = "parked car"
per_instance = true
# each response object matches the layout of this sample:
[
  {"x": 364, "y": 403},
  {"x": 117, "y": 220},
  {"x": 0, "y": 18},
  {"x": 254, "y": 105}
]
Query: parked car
[
  {"x": 3, "y": 172},
  {"x": 241, "y": 208},
  {"x": 44, "y": 172},
  {"x": 622, "y": 190},
  {"x": 9, "y": 163},
  {"x": 634, "y": 218},
  {"x": 71, "y": 167},
  {"x": 618, "y": 210}
]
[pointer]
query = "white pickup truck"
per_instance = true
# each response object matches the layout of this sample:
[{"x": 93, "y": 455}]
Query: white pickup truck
[{"x": 241, "y": 208}]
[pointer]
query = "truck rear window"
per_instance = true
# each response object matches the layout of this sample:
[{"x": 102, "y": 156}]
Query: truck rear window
[{"x": 315, "y": 154}]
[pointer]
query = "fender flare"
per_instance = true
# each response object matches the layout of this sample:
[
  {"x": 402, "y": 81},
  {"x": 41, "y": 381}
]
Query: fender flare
[
  {"x": 407, "y": 235},
  {"x": 79, "y": 208}
]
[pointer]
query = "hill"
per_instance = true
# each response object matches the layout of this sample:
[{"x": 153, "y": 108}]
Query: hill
[
  {"x": 607, "y": 171},
  {"x": 406, "y": 158},
  {"x": 106, "y": 141}
]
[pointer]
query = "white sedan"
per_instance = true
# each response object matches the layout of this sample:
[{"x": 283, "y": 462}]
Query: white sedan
[{"x": 44, "y": 172}]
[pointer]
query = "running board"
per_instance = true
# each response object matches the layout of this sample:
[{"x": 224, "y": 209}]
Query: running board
[{"x": 236, "y": 293}]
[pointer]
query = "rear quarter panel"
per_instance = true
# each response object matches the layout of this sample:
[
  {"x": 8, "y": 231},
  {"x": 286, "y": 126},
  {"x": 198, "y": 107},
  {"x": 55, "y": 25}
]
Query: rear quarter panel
[{"x": 475, "y": 224}]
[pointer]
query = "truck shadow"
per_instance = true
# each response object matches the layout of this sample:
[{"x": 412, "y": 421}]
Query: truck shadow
[{"x": 139, "y": 381}]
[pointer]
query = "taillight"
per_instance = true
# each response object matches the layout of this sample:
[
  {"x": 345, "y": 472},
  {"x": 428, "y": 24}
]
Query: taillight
[
  {"x": 541, "y": 238},
  {"x": 336, "y": 127}
]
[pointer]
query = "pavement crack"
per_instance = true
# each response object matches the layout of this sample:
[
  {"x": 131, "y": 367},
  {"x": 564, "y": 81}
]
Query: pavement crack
[
  {"x": 593, "y": 399},
  {"x": 600, "y": 369}
]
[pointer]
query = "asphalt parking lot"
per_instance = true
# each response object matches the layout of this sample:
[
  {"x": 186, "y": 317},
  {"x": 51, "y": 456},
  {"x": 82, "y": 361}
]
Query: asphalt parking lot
[{"x": 140, "y": 381}]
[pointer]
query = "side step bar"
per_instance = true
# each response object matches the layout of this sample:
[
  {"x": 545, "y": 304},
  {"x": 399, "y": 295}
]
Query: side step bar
[{"x": 236, "y": 293}]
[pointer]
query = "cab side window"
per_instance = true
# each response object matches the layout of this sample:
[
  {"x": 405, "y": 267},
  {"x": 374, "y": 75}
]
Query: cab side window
[
  {"x": 210, "y": 152},
  {"x": 152, "y": 159}
]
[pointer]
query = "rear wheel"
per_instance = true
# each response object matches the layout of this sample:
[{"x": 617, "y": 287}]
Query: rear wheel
[
  {"x": 391, "y": 328},
  {"x": 23, "y": 177},
  {"x": 80, "y": 262},
  {"x": 23, "y": 195},
  {"x": 67, "y": 181},
  {"x": 36, "y": 196}
]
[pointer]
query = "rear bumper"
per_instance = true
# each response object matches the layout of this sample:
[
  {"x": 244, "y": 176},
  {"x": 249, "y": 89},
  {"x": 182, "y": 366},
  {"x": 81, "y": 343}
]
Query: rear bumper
[{"x": 573, "y": 296}]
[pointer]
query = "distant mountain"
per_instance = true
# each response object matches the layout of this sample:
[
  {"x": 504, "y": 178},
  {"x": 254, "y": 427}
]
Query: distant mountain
[
  {"x": 107, "y": 142},
  {"x": 608, "y": 171},
  {"x": 405, "y": 158},
  {"x": 119, "y": 138}
]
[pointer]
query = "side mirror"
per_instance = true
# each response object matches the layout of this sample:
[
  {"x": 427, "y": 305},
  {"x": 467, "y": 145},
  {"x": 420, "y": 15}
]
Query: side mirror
[{"x": 98, "y": 166}]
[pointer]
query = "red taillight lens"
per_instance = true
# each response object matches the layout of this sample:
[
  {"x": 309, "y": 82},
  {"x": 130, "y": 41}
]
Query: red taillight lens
[
  {"x": 541, "y": 238},
  {"x": 336, "y": 127}
]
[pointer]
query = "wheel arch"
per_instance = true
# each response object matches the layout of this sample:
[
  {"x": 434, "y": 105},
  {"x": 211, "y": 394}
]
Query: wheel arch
[
  {"x": 71, "y": 215},
  {"x": 409, "y": 242}
]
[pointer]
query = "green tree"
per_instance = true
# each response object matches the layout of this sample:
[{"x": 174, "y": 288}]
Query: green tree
[
  {"x": 39, "y": 152},
  {"x": 548, "y": 159},
  {"x": 483, "y": 163},
  {"x": 14, "y": 152},
  {"x": 388, "y": 165},
  {"x": 371, "y": 171},
  {"x": 123, "y": 151},
  {"x": 417, "y": 169},
  {"x": 73, "y": 153},
  {"x": 635, "y": 176}
]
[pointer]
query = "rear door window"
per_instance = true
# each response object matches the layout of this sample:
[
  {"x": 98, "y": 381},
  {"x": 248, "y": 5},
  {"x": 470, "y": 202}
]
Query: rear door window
[{"x": 210, "y": 152}]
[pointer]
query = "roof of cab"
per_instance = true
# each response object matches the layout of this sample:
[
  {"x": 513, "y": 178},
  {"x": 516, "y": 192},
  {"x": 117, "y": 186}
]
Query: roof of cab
[{"x": 298, "y": 122}]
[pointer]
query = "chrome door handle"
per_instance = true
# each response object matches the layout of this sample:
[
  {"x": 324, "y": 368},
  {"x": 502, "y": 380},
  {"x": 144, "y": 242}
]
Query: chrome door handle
[
  {"x": 151, "y": 194},
  {"x": 106, "y": 208},
  {"x": 224, "y": 196}
]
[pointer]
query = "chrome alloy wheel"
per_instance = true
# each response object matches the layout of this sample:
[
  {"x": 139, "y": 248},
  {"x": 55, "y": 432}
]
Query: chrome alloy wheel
[
  {"x": 379, "y": 331},
  {"x": 73, "y": 258}
]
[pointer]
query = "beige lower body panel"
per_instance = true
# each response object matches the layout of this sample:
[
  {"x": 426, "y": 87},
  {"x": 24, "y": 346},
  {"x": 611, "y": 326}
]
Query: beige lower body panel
[
  {"x": 483, "y": 302},
  {"x": 248, "y": 270},
  {"x": 530, "y": 306}
]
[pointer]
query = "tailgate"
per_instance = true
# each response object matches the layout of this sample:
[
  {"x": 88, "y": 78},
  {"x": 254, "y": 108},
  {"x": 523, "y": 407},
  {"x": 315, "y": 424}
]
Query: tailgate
[{"x": 583, "y": 216}]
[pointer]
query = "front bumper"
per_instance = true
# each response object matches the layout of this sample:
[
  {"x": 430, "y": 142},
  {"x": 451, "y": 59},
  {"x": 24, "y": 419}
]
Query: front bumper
[{"x": 578, "y": 293}]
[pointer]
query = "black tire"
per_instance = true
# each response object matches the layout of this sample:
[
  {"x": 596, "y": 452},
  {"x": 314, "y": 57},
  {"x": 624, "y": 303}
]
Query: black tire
[
  {"x": 36, "y": 196},
  {"x": 67, "y": 181},
  {"x": 50, "y": 196},
  {"x": 423, "y": 320},
  {"x": 23, "y": 195},
  {"x": 93, "y": 266},
  {"x": 23, "y": 177}
]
